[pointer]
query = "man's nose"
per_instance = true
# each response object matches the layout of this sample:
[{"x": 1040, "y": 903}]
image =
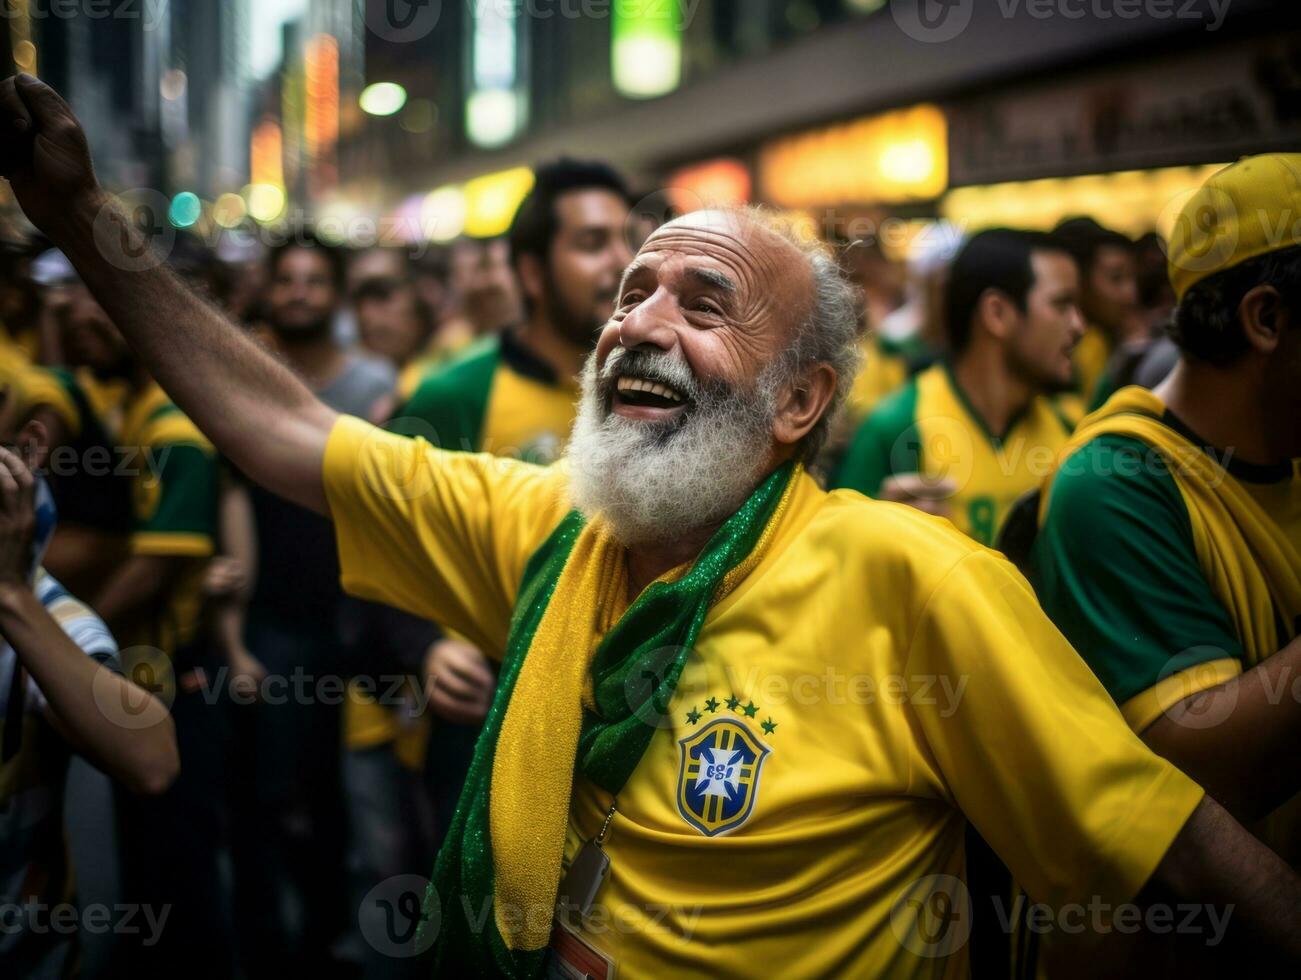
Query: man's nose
[
  {"x": 648, "y": 324},
  {"x": 1077, "y": 324}
]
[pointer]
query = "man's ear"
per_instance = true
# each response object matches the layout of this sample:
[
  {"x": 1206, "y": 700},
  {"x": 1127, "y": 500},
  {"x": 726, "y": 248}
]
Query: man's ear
[
  {"x": 1263, "y": 317},
  {"x": 804, "y": 403},
  {"x": 532, "y": 277},
  {"x": 33, "y": 444},
  {"x": 996, "y": 313}
]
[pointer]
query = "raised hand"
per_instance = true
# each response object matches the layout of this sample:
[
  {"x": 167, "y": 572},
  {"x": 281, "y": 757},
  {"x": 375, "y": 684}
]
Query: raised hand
[{"x": 43, "y": 152}]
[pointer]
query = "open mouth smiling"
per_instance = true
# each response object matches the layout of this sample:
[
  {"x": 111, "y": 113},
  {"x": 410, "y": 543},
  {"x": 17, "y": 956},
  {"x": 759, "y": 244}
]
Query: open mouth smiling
[{"x": 643, "y": 398}]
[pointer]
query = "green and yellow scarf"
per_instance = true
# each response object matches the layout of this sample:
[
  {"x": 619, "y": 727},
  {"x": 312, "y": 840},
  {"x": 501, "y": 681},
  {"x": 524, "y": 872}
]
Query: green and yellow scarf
[
  {"x": 561, "y": 708},
  {"x": 1252, "y": 568}
]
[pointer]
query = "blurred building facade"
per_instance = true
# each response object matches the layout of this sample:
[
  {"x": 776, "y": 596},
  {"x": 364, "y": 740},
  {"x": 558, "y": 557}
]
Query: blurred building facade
[{"x": 420, "y": 118}]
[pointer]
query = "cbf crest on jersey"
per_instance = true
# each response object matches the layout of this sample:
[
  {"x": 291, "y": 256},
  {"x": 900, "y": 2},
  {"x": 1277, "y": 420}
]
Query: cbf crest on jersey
[{"x": 718, "y": 776}]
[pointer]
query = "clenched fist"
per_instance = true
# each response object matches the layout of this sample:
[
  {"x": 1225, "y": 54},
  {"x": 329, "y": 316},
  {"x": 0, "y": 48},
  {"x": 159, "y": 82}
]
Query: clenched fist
[{"x": 43, "y": 153}]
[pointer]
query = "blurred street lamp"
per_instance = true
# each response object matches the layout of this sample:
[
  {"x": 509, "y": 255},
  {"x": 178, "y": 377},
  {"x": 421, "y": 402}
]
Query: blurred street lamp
[
  {"x": 228, "y": 209},
  {"x": 382, "y": 98},
  {"x": 442, "y": 215},
  {"x": 266, "y": 202},
  {"x": 645, "y": 48},
  {"x": 185, "y": 209}
]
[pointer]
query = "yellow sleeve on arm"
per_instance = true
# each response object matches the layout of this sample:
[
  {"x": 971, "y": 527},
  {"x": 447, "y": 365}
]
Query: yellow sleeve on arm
[
  {"x": 1147, "y": 706},
  {"x": 443, "y": 535},
  {"x": 1034, "y": 751}
]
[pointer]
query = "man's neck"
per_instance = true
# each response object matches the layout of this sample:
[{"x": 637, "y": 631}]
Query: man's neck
[
  {"x": 317, "y": 359},
  {"x": 1225, "y": 408},
  {"x": 647, "y": 562},
  {"x": 992, "y": 390},
  {"x": 540, "y": 336}
]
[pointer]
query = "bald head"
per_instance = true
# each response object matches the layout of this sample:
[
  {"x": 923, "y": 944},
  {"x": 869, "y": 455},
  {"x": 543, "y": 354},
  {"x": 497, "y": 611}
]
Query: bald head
[{"x": 771, "y": 277}]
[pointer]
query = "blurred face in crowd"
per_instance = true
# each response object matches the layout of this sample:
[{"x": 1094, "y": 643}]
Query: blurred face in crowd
[
  {"x": 1111, "y": 292},
  {"x": 1041, "y": 340},
  {"x": 390, "y": 323},
  {"x": 588, "y": 255},
  {"x": 683, "y": 397},
  {"x": 90, "y": 338},
  {"x": 302, "y": 295},
  {"x": 492, "y": 299},
  {"x": 376, "y": 263}
]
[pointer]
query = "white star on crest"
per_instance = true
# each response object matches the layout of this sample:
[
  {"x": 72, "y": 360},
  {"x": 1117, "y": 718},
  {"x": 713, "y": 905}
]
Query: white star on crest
[{"x": 718, "y": 777}]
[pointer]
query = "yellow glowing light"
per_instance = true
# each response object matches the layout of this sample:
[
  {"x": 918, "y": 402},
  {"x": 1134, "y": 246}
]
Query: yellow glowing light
[
  {"x": 491, "y": 117},
  {"x": 714, "y": 183},
  {"x": 1130, "y": 201},
  {"x": 491, "y": 201},
  {"x": 266, "y": 202},
  {"x": 892, "y": 158},
  {"x": 443, "y": 213},
  {"x": 266, "y": 154},
  {"x": 228, "y": 210}
]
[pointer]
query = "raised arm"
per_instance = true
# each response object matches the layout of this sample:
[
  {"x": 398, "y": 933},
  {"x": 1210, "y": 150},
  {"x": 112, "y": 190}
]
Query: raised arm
[{"x": 252, "y": 407}]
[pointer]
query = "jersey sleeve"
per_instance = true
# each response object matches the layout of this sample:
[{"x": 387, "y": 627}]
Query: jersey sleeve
[
  {"x": 443, "y": 535},
  {"x": 42, "y": 388},
  {"x": 174, "y": 499},
  {"x": 1032, "y": 749},
  {"x": 1116, "y": 570},
  {"x": 885, "y": 444}
]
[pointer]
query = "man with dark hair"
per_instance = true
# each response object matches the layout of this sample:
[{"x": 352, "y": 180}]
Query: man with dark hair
[
  {"x": 969, "y": 435},
  {"x": 1169, "y": 542},
  {"x": 515, "y": 394},
  {"x": 1108, "y": 297}
]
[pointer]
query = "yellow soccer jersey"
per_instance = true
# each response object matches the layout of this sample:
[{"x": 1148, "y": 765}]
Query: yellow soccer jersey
[
  {"x": 495, "y": 397},
  {"x": 855, "y": 683},
  {"x": 174, "y": 477},
  {"x": 929, "y": 427}
]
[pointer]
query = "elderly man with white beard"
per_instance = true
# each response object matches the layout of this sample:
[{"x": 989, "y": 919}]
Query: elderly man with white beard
[{"x": 717, "y": 745}]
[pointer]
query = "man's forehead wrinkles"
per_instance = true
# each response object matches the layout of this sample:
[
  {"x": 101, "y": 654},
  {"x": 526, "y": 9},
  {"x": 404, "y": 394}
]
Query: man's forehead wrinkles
[{"x": 652, "y": 257}]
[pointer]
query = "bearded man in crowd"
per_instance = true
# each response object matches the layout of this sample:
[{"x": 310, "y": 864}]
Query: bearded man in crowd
[{"x": 658, "y": 760}]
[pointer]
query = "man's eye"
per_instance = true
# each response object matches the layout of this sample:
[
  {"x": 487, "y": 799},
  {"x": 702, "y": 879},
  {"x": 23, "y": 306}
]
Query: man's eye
[
  {"x": 703, "y": 306},
  {"x": 630, "y": 299}
]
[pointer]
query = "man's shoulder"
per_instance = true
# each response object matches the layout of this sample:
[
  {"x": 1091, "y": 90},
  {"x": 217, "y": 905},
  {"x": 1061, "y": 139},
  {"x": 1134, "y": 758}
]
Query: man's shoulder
[
  {"x": 897, "y": 410},
  {"x": 890, "y": 537},
  {"x": 470, "y": 368},
  {"x": 1110, "y": 474},
  {"x": 167, "y": 425}
]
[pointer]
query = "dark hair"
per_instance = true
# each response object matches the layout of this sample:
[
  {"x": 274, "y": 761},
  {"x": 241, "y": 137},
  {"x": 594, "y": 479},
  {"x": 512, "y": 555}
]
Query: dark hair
[
  {"x": 996, "y": 259},
  {"x": 1206, "y": 324},
  {"x": 304, "y": 238},
  {"x": 535, "y": 223},
  {"x": 1084, "y": 238},
  {"x": 384, "y": 288}
]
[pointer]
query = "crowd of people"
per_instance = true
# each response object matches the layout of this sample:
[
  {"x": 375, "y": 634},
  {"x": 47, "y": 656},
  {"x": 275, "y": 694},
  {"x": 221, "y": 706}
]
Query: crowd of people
[{"x": 691, "y": 599}]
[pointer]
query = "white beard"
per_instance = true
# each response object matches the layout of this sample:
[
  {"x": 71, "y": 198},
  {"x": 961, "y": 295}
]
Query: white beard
[{"x": 652, "y": 480}]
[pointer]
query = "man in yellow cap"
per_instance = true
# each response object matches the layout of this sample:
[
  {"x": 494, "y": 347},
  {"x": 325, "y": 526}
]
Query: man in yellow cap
[{"x": 1169, "y": 550}]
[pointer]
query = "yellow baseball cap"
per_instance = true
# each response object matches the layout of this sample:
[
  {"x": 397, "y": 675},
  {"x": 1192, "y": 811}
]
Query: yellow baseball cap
[{"x": 1243, "y": 211}]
